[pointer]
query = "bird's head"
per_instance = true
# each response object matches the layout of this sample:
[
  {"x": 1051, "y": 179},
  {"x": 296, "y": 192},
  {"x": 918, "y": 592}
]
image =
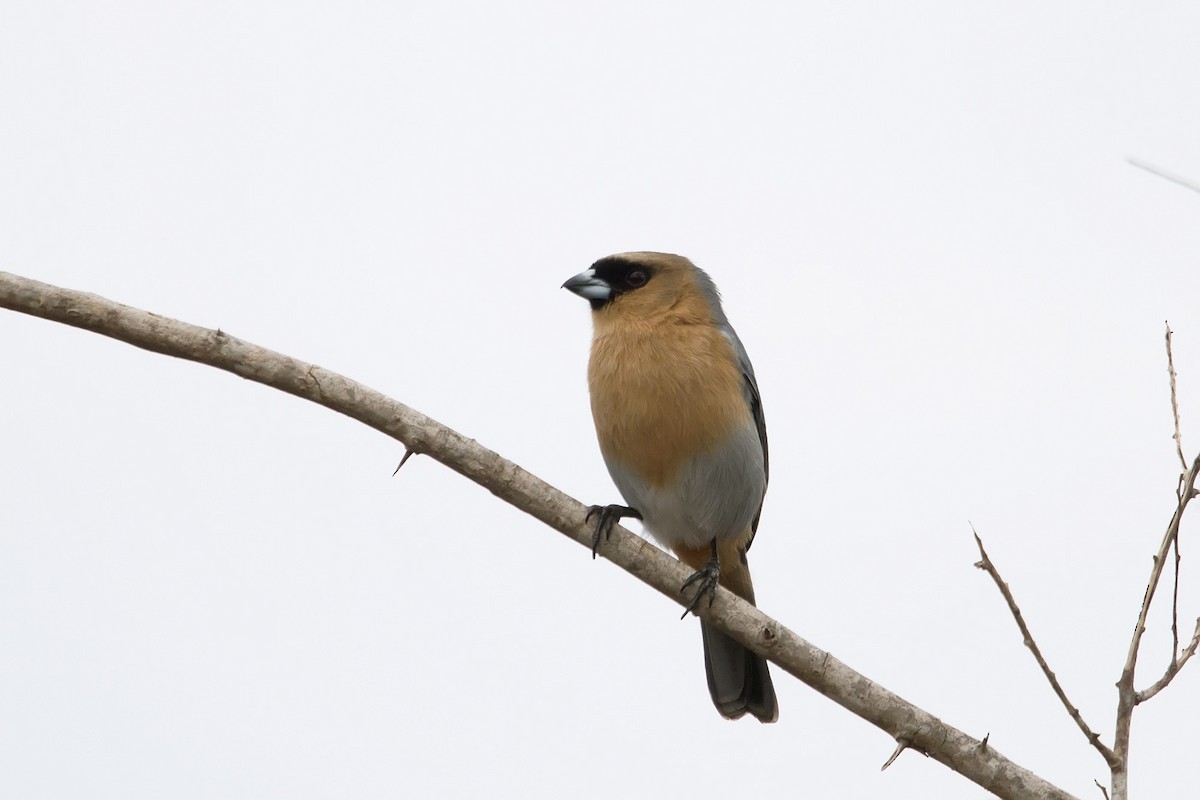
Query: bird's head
[{"x": 645, "y": 285}]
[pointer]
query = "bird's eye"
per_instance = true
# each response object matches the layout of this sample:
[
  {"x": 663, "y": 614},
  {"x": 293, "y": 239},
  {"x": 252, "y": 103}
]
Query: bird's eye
[{"x": 636, "y": 278}]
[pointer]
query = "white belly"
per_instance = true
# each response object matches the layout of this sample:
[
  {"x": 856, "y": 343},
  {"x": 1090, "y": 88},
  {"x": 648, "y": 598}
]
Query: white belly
[{"x": 713, "y": 496}]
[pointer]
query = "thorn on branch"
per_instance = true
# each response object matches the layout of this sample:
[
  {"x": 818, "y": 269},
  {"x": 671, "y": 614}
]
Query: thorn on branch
[
  {"x": 983, "y": 744},
  {"x": 408, "y": 453},
  {"x": 902, "y": 744}
]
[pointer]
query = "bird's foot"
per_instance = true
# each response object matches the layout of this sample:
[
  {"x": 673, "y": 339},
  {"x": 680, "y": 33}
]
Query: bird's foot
[
  {"x": 706, "y": 579},
  {"x": 608, "y": 516}
]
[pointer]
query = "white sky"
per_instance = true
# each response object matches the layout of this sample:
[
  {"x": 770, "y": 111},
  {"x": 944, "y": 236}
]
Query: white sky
[{"x": 952, "y": 285}]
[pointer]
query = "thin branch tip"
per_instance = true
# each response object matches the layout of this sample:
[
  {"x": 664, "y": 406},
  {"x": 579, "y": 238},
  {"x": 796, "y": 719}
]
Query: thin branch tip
[
  {"x": 984, "y": 562},
  {"x": 1171, "y": 377},
  {"x": 1027, "y": 637}
]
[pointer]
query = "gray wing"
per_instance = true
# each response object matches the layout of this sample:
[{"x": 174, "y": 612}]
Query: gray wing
[{"x": 754, "y": 400}]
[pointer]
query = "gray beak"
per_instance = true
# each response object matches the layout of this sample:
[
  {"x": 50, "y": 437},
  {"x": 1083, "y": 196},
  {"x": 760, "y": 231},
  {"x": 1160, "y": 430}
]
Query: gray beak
[{"x": 588, "y": 286}]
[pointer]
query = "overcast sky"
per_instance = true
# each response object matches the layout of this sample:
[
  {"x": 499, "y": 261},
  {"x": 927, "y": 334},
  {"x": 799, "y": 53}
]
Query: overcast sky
[{"x": 952, "y": 285}]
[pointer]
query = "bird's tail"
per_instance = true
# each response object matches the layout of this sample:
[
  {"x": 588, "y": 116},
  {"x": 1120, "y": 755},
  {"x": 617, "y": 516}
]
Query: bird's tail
[{"x": 738, "y": 679}]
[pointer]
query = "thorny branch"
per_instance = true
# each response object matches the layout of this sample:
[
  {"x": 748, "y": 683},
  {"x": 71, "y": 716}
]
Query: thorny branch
[{"x": 420, "y": 434}]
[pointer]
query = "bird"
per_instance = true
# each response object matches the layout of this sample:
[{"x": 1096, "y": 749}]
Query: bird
[{"x": 681, "y": 429}]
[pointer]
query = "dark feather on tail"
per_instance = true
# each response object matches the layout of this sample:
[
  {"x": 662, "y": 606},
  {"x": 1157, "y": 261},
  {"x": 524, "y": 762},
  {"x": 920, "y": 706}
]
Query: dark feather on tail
[{"x": 738, "y": 679}]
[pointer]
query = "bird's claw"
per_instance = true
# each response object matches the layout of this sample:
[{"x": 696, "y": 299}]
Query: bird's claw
[
  {"x": 609, "y": 516},
  {"x": 706, "y": 578}
]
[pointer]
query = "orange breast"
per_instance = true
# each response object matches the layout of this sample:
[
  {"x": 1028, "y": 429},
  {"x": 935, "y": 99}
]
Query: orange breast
[{"x": 663, "y": 393}]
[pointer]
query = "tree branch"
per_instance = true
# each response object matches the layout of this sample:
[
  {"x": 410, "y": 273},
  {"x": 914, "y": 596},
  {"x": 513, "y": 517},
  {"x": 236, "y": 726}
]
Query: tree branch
[
  {"x": 1172, "y": 668},
  {"x": 420, "y": 434},
  {"x": 1187, "y": 491},
  {"x": 1093, "y": 738},
  {"x": 1128, "y": 697},
  {"x": 1178, "y": 437}
]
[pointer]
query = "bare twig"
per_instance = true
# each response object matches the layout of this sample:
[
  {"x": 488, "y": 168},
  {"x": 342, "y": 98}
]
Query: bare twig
[
  {"x": 1127, "y": 696},
  {"x": 1100, "y": 786},
  {"x": 729, "y": 614},
  {"x": 1178, "y": 437},
  {"x": 987, "y": 566},
  {"x": 1162, "y": 173},
  {"x": 1187, "y": 492},
  {"x": 1172, "y": 669},
  {"x": 1175, "y": 603}
]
